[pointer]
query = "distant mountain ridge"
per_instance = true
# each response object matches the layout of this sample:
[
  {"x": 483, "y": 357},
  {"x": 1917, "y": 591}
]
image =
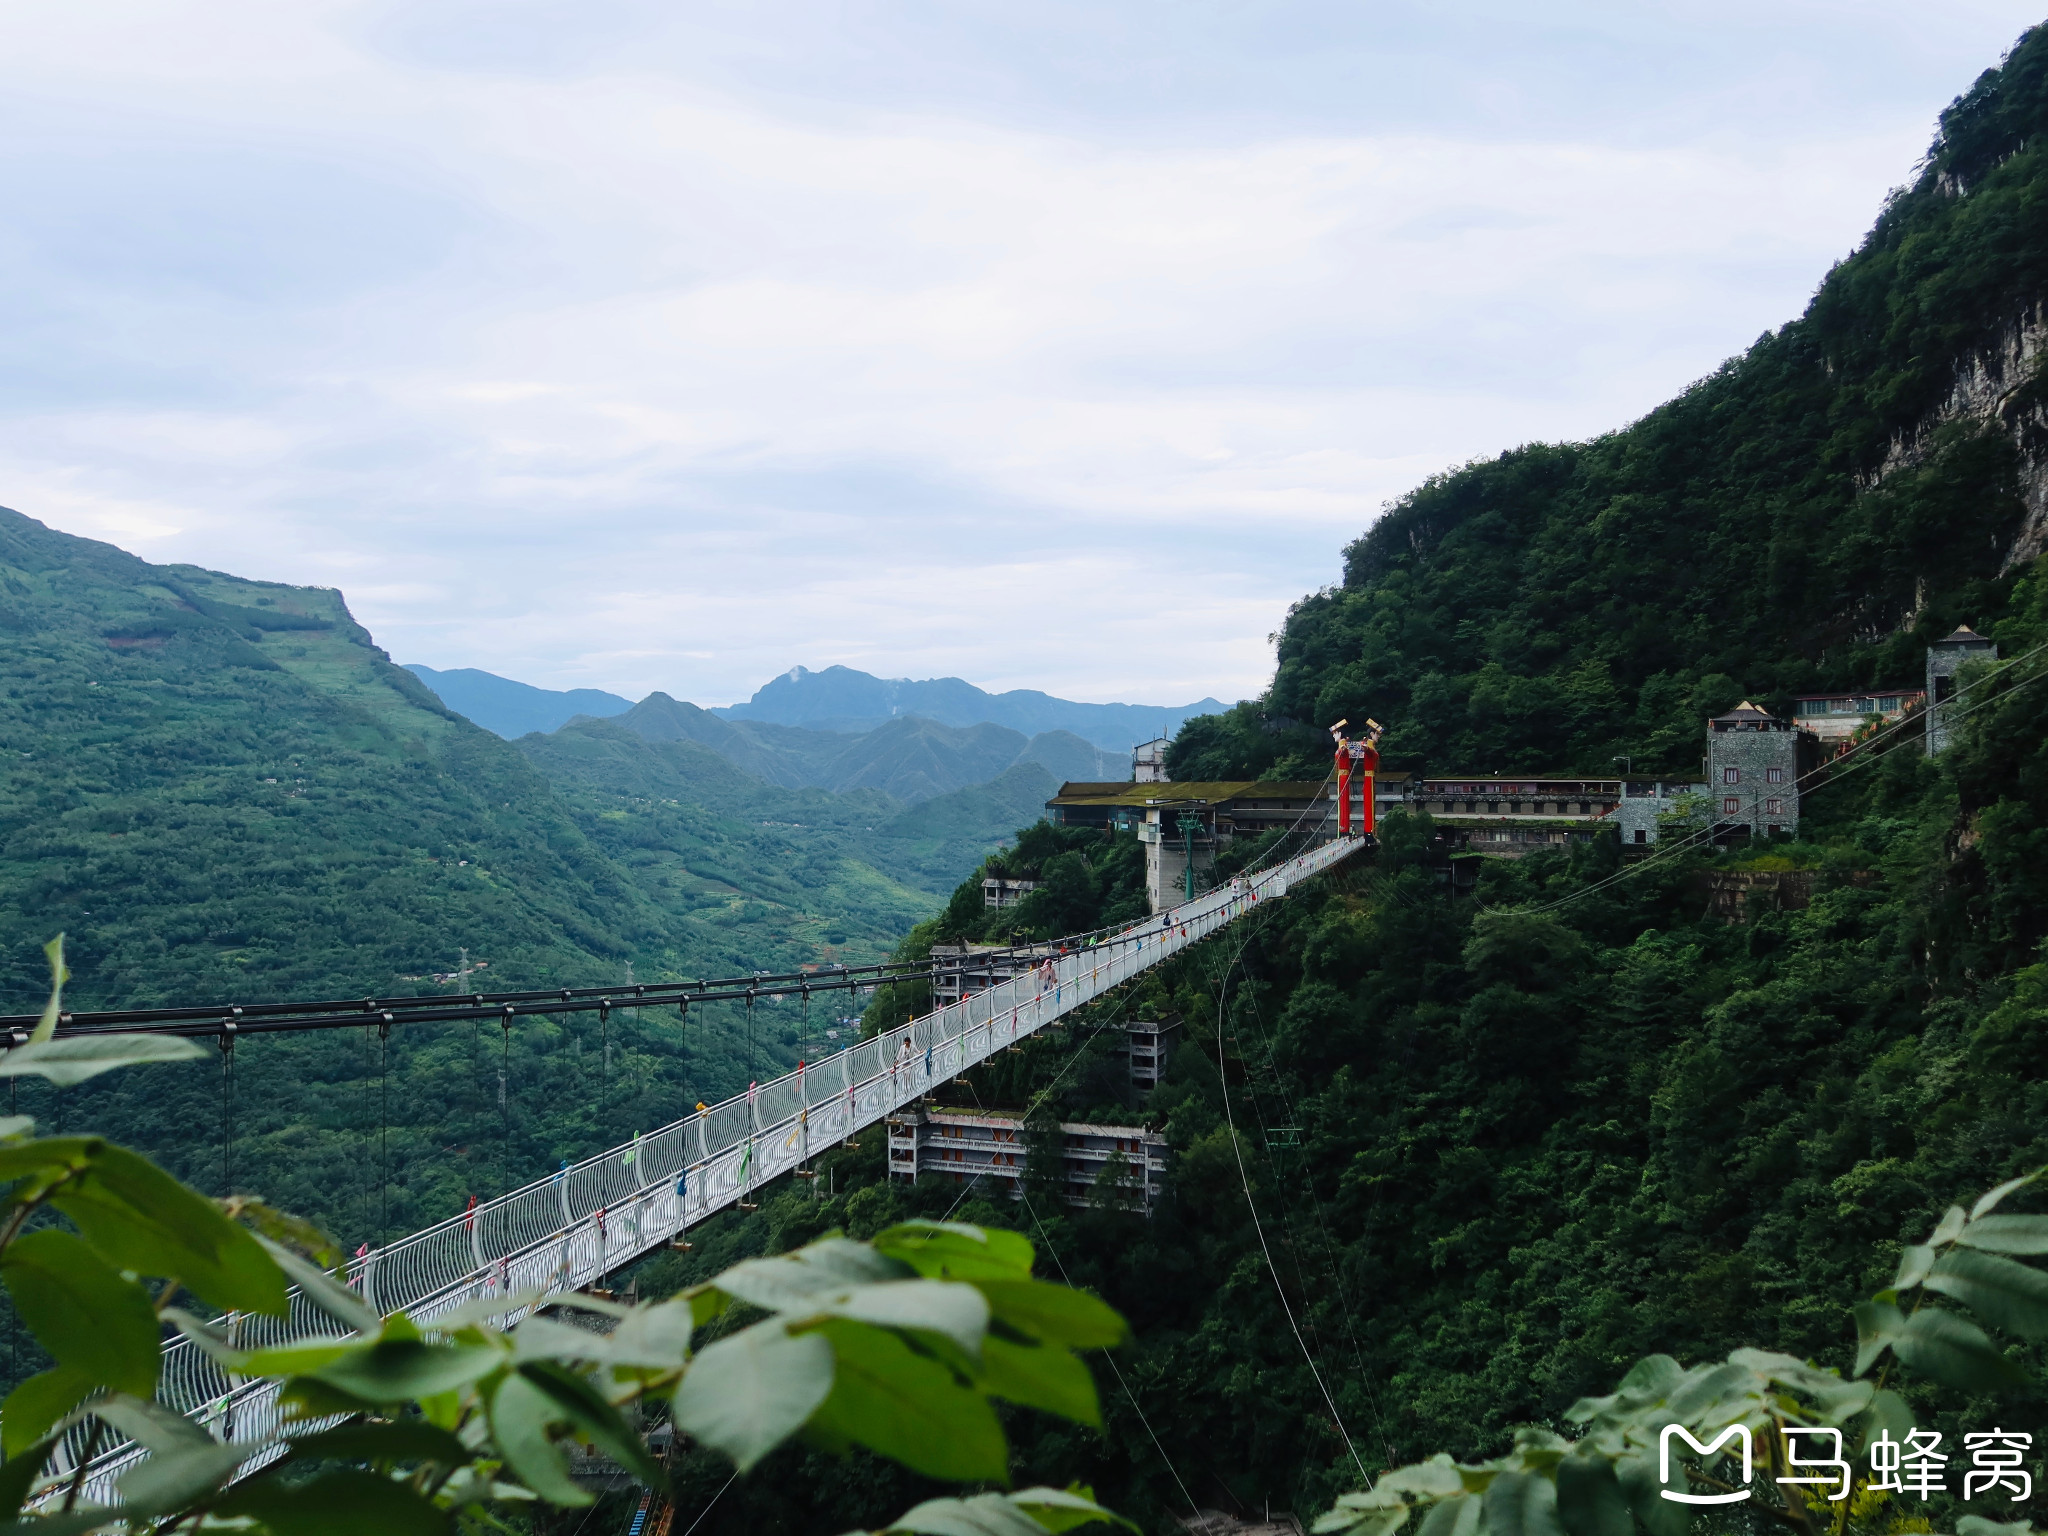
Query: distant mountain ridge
[
  {"x": 511, "y": 709},
  {"x": 837, "y": 701},
  {"x": 842, "y": 699},
  {"x": 909, "y": 758}
]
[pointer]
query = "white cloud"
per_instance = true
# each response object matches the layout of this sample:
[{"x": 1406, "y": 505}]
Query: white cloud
[{"x": 648, "y": 370}]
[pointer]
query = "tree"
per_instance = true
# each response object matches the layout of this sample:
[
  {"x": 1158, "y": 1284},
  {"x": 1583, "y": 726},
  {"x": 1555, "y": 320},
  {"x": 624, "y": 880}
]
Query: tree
[{"x": 418, "y": 1425}]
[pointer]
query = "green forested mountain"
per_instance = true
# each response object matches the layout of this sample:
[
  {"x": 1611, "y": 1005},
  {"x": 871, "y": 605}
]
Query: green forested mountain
[
  {"x": 909, "y": 758},
  {"x": 1806, "y": 518},
  {"x": 220, "y": 789},
  {"x": 1500, "y": 1147}
]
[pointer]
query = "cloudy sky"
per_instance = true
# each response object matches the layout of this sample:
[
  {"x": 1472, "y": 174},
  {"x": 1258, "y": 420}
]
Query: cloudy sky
[{"x": 634, "y": 345}]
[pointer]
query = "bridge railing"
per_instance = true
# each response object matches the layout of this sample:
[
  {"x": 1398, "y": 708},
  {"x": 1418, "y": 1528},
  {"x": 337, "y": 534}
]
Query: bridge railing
[{"x": 564, "y": 1231}]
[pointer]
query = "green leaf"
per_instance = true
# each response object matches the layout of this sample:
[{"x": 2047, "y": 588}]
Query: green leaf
[
  {"x": 1033, "y": 1512},
  {"x": 1063, "y": 1509},
  {"x": 300, "y": 1357},
  {"x": 77, "y": 1057},
  {"x": 1949, "y": 1228},
  {"x": 520, "y": 1415},
  {"x": 906, "y": 1406},
  {"x": 988, "y": 1514},
  {"x": 38, "y": 1403},
  {"x": 595, "y": 1419},
  {"x": 951, "y": 1250},
  {"x": 407, "y": 1440},
  {"x": 752, "y": 1390},
  {"x": 1992, "y": 1197},
  {"x": 1955, "y": 1351},
  {"x": 399, "y": 1370},
  {"x": 958, "y": 1312},
  {"x": 18, "y": 1476},
  {"x": 1436, "y": 1478},
  {"x": 2007, "y": 1234},
  {"x": 1888, "y": 1412},
  {"x": 485, "y": 1311},
  {"x": 1589, "y": 1498},
  {"x": 87, "y": 1316},
  {"x": 1040, "y": 1376},
  {"x": 151, "y": 1425},
  {"x": 59, "y": 974},
  {"x": 1379, "y": 1520},
  {"x": 323, "y": 1290},
  {"x": 1057, "y": 1314},
  {"x": 793, "y": 1282},
  {"x": 1522, "y": 1504},
  {"x": 2000, "y": 1290},
  {"x": 280, "y": 1232},
  {"x": 1977, "y": 1525},
  {"x": 656, "y": 1337},
  {"x": 1657, "y": 1515},
  {"x": 1914, "y": 1264},
  {"x": 338, "y": 1503},
  {"x": 1878, "y": 1325},
  {"x": 173, "y": 1480},
  {"x": 1456, "y": 1516},
  {"x": 542, "y": 1338},
  {"x": 308, "y": 1397},
  {"x": 139, "y": 1218}
]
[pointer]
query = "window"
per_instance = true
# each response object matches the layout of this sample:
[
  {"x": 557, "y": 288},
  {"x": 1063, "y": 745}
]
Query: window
[
  {"x": 1730, "y": 805},
  {"x": 1642, "y": 836},
  {"x": 1774, "y": 807},
  {"x": 1774, "y": 775},
  {"x": 1731, "y": 775}
]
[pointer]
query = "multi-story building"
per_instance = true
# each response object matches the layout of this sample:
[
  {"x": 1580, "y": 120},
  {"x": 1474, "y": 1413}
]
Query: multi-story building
[
  {"x": 1754, "y": 764},
  {"x": 1945, "y": 658},
  {"x": 991, "y": 1146},
  {"x": 959, "y": 970},
  {"x": 1148, "y": 762},
  {"x": 1515, "y": 814},
  {"x": 1150, "y": 1044},
  {"x": 1646, "y": 802},
  {"x": 1835, "y": 717},
  {"x": 998, "y": 892}
]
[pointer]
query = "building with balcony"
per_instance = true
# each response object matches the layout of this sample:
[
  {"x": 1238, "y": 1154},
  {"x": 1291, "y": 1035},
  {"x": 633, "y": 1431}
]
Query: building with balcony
[
  {"x": 1149, "y": 1046},
  {"x": 1835, "y": 717},
  {"x": 1511, "y": 815},
  {"x": 997, "y": 892},
  {"x": 990, "y": 1147},
  {"x": 960, "y": 970}
]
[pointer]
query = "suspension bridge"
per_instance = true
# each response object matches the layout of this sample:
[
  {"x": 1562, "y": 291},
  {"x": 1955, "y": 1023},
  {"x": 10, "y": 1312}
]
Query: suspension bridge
[{"x": 564, "y": 1232}]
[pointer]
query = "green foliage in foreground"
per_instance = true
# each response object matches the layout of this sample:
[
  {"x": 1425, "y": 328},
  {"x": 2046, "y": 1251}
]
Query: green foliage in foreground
[
  {"x": 1613, "y": 1480},
  {"x": 901, "y": 1345}
]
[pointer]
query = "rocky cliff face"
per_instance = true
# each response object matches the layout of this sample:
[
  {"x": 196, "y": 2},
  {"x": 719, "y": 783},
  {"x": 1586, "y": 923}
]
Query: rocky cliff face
[{"x": 2002, "y": 386}]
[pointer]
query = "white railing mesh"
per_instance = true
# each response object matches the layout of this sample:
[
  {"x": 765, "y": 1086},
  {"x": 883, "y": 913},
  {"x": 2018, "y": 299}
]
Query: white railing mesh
[{"x": 567, "y": 1230}]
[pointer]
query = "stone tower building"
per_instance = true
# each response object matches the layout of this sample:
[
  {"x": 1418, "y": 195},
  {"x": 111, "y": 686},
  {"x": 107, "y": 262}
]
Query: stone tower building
[
  {"x": 1945, "y": 658},
  {"x": 1754, "y": 763}
]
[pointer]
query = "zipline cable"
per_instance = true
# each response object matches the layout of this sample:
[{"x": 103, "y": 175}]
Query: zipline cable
[
  {"x": 1110, "y": 1357},
  {"x": 1244, "y": 1177}
]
